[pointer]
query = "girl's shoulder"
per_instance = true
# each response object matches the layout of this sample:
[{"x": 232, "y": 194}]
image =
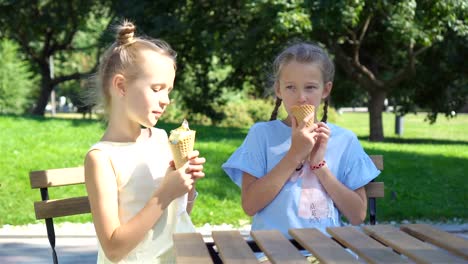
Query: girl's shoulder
[
  {"x": 158, "y": 133},
  {"x": 341, "y": 132},
  {"x": 269, "y": 126}
]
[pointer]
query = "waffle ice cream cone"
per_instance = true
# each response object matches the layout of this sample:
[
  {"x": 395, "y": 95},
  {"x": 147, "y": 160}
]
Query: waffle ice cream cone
[
  {"x": 181, "y": 142},
  {"x": 301, "y": 111}
]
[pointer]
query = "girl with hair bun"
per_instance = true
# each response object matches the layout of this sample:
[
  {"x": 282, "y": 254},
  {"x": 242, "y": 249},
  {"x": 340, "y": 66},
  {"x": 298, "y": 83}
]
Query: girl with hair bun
[
  {"x": 138, "y": 199},
  {"x": 299, "y": 174}
]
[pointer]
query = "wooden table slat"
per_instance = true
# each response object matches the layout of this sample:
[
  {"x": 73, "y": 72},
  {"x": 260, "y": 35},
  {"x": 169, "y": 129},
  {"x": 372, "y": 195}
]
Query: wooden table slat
[
  {"x": 427, "y": 233},
  {"x": 233, "y": 248},
  {"x": 325, "y": 249},
  {"x": 364, "y": 246},
  {"x": 405, "y": 244},
  {"x": 191, "y": 249},
  {"x": 276, "y": 247}
]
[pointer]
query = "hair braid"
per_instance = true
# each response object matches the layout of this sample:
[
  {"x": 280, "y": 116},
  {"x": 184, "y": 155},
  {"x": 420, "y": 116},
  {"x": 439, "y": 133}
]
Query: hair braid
[
  {"x": 325, "y": 111},
  {"x": 274, "y": 114}
]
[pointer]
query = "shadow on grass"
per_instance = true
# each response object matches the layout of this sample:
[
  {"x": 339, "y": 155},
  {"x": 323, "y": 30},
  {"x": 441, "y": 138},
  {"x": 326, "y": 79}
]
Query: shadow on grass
[
  {"x": 422, "y": 186},
  {"x": 416, "y": 141},
  {"x": 45, "y": 119},
  {"x": 208, "y": 133}
]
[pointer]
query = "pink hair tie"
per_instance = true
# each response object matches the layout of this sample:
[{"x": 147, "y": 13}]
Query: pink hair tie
[{"x": 318, "y": 166}]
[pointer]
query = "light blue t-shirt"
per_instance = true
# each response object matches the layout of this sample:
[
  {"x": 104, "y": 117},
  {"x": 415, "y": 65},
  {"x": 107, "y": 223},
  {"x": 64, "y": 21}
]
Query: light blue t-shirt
[{"x": 302, "y": 202}]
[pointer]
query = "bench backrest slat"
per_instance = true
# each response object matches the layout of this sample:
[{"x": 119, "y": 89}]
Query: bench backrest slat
[
  {"x": 62, "y": 207},
  {"x": 375, "y": 189},
  {"x": 378, "y": 161},
  {"x": 56, "y": 177}
]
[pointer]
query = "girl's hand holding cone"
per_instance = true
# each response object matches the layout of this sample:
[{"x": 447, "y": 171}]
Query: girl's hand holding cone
[
  {"x": 322, "y": 134},
  {"x": 194, "y": 165}
]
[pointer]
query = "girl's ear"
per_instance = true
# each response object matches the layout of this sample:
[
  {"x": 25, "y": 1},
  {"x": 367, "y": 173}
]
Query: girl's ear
[
  {"x": 118, "y": 84},
  {"x": 327, "y": 89}
]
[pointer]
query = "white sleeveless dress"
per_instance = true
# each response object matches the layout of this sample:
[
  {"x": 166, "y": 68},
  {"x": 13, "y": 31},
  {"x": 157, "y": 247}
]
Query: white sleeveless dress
[{"x": 139, "y": 168}]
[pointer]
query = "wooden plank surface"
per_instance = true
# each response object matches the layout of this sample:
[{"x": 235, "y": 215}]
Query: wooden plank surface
[
  {"x": 191, "y": 249},
  {"x": 364, "y": 246},
  {"x": 62, "y": 207},
  {"x": 56, "y": 177},
  {"x": 427, "y": 233},
  {"x": 277, "y": 248},
  {"x": 325, "y": 249},
  {"x": 378, "y": 161},
  {"x": 413, "y": 248},
  {"x": 375, "y": 189},
  {"x": 233, "y": 248}
]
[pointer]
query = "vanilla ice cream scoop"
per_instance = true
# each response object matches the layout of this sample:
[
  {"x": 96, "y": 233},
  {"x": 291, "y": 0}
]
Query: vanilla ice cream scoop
[{"x": 181, "y": 142}]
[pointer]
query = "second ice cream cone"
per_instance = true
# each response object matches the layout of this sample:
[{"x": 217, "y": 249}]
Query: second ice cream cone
[{"x": 181, "y": 149}]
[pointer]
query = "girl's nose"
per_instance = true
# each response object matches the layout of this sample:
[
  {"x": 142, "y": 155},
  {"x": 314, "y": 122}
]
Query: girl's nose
[
  {"x": 302, "y": 98},
  {"x": 165, "y": 99}
]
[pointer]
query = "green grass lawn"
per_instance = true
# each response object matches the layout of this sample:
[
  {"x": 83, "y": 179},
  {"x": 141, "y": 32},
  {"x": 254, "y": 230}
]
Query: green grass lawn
[{"x": 424, "y": 171}]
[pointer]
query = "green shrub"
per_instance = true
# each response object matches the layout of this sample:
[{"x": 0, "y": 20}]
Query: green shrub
[
  {"x": 16, "y": 79},
  {"x": 236, "y": 113},
  {"x": 247, "y": 112}
]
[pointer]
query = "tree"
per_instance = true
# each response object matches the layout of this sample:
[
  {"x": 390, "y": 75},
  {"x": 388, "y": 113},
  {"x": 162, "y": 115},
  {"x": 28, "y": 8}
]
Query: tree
[
  {"x": 443, "y": 85},
  {"x": 16, "y": 79},
  {"x": 44, "y": 29},
  {"x": 379, "y": 43}
]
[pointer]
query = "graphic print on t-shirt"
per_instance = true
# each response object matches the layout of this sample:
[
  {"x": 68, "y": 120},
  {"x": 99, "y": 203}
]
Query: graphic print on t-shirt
[{"x": 314, "y": 200}]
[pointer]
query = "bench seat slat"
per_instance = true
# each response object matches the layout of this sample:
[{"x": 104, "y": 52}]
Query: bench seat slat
[
  {"x": 191, "y": 249},
  {"x": 364, "y": 246},
  {"x": 232, "y": 247},
  {"x": 62, "y": 207},
  {"x": 325, "y": 249},
  {"x": 276, "y": 247},
  {"x": 56, "y": 177},
  {"x": 415, "y": 249},
  {"x": 439, "y": 238}
]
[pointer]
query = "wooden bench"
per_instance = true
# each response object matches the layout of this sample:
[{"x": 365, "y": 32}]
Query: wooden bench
[{"x": 48, "y": 209}]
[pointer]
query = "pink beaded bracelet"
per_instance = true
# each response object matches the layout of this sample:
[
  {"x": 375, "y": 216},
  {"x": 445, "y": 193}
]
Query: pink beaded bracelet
[{"x": 318, "y": 166}]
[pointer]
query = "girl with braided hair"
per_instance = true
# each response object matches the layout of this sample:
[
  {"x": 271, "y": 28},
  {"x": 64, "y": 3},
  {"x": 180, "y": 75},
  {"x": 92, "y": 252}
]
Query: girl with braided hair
[
  {"x": 138, "y": 198},
  {"x": 298, "y": 176}
]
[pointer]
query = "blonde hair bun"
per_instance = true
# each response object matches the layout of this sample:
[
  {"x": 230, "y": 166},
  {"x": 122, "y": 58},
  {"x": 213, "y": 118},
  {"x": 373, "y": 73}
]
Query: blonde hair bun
[{"x": 125, "y": 33}]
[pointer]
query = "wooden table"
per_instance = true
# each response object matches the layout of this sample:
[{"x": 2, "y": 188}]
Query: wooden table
[{"x": 413, "y": 243}]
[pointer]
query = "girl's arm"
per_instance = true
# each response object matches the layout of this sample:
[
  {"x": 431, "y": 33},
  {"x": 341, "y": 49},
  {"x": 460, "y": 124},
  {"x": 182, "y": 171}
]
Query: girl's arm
[
  {"x": 118, "y": 239},
  {"x": 257, "y": 193},
  {"x": 352, "y": 204}
]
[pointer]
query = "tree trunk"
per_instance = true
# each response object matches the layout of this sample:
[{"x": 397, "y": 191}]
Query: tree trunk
[
  {"x": 46, "y": 89},
  {"x": 376, "y": 106}
]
